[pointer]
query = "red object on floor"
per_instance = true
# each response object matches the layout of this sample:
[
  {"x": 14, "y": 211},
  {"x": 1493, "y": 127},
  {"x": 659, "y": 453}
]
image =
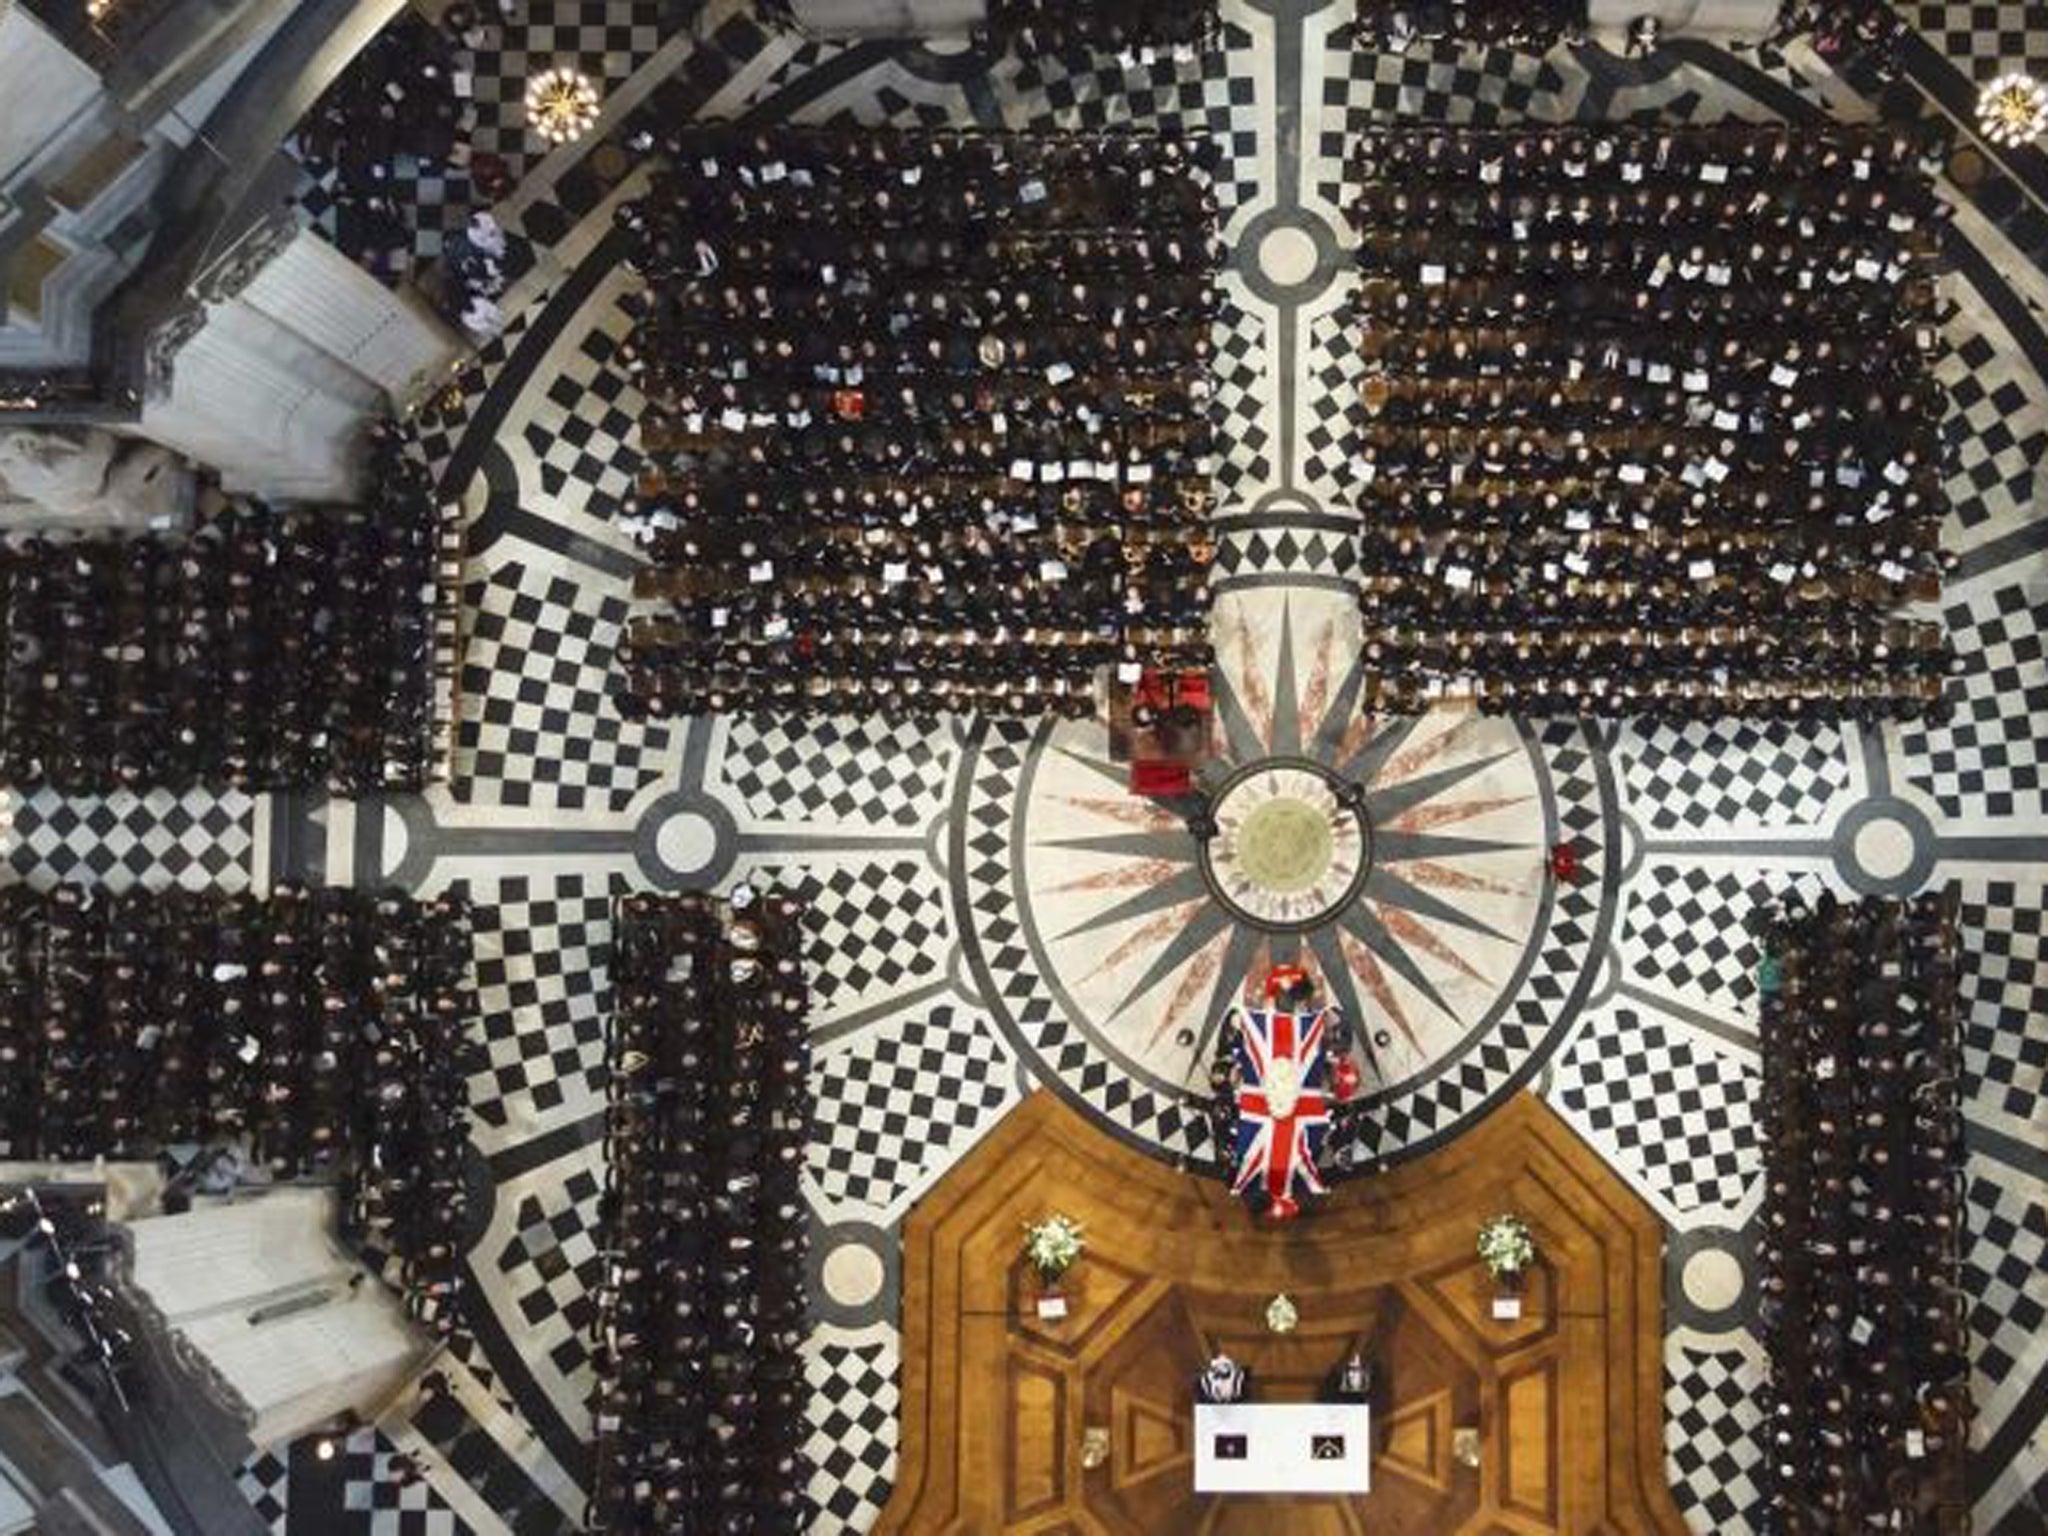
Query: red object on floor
[
  {"x": 1344, "y": 1080},
  {"x": 1284, "y": 1208},
  {"x": 1564, "y": 861},
  {"x": 1164, "y": 690},
  {"x": 1152, "y": 777},
  {"x": 490, "y": 176},
  {"x": 1280, "y": 978}
]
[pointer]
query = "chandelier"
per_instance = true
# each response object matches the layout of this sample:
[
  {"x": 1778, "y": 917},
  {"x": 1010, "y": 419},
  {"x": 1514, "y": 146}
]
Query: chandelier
[
  {"x": 561, "y": 104},
  {"x": 2012, "y": 110}
]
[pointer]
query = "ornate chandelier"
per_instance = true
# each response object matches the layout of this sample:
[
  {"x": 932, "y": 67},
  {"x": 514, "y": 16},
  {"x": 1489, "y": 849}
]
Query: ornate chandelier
[
  {"x": 2012, "y": 110},
  {"x": 561, "y": 104}
]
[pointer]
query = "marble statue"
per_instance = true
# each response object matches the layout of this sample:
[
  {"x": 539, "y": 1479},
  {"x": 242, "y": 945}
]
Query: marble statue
[{"x": 89, "y": 479}]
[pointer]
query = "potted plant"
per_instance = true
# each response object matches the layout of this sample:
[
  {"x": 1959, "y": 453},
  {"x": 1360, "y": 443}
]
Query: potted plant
[
  {"x": 1052, "y": 1247},
  {"x": 1506, "y": 1249}
]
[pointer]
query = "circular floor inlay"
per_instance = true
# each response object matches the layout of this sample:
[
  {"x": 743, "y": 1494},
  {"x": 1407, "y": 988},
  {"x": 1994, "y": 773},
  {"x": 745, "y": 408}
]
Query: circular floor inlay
[
  {"x": 853, "y": 1274},
  {"x": 686, "y": 842},
  {"x": 1287, "y": 854},
  {"x": 1285, "y": 845},
  {"x": 1713, "y": 1280},
  {"x": 1884, "y": 848},
  {"x": 1288, "y": 255}
]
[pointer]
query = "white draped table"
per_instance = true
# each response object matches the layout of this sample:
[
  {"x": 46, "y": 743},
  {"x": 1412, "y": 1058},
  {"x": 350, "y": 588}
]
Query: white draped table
[{"x": 1280, "y": 1448}]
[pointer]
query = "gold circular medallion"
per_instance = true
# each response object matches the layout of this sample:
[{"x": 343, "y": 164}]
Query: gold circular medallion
[{"x": 1284, "y": 846}]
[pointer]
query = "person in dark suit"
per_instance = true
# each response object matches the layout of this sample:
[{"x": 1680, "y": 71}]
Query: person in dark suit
[
  {"x": 1350, "y": 1380},
  {"x": 1223, "y": 1380}
]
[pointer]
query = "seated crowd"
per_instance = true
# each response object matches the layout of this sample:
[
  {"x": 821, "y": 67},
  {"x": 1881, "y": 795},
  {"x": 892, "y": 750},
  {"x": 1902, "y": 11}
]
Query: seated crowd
[
  {"x": 928, "y": 419},
  {"x": 1848, "y": 31},
  {"x": 1862, "y": 1315},
  {"x": 395, "y": 108},
  {"x": 1106, "y": 26},
  {"x": 261, "y": 650},
  {"x": 1648, "y": 425},
  {"x": 398, "y": 122},
  {"x": 700, "y": 1397},
  {"x": 1492, "y": 23},
  {"x": 323, "y": 1031}
]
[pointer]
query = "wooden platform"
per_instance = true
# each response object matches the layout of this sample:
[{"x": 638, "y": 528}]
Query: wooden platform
[{"x": 1567, "y": 1402}]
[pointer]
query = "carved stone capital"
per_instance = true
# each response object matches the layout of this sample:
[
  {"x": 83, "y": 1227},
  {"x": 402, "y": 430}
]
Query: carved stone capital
[
  {"x": 225, "y": 276},
  {"x": 165, "y": 342}
]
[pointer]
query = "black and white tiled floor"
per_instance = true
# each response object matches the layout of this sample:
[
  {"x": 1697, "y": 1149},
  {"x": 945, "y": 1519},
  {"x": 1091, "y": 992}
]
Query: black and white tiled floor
[
  {"x": 195, "y": 841},
  {"x": 1669, "y": 1107},
  {"x": 542, "y": 958},
  {"x": 1982, "y": 38},
  {"x": 1710, "y": 1406},
  {"x": 947, "y": 986},
  {"x": 607, "y": 40},
  {"x": 539, "y": 726},
  {"x": 1991, "y": 758},
  {"x": 265, "y": 1481}
]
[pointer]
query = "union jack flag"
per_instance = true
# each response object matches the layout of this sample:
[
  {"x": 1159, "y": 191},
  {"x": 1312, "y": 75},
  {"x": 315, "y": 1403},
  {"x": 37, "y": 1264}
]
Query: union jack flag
[{"x": 1283, "y": 1104}]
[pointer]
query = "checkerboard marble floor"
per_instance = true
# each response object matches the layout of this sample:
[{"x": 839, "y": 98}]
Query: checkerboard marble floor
[{"x": 947, "y": 986}]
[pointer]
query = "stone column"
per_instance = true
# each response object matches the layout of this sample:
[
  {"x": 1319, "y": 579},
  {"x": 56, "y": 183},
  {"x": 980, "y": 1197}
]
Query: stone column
[
  {"x": 291, "y": 349},
  {"x": 89, "y": 480}
]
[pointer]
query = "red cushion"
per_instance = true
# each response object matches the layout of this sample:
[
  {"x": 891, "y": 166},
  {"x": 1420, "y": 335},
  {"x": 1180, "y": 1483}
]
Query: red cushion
[{"x": 1157, "y": 778}]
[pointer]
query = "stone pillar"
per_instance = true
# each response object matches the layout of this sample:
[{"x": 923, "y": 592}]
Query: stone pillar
[
  {"x": 44, "y": 85},
  {"x": 392, "y": 339},
  {"x": 261, "y": 1304},
  {"x": 89, "y": 480},
  {"x": 271, "y": 377}
]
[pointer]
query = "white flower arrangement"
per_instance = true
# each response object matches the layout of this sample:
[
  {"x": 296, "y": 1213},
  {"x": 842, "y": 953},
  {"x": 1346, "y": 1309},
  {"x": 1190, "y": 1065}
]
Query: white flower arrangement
[
  {"x": 1052, "y": 1246},
  {"x": 1505, "y": 1246},
  {"x": 1282, "y": 1315}
]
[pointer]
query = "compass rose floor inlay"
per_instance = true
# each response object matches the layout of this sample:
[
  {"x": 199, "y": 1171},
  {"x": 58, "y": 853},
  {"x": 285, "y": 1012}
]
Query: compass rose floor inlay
[
  {"x": 1426, "y": 912},
  {"x": 1290, "y": 849}
]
